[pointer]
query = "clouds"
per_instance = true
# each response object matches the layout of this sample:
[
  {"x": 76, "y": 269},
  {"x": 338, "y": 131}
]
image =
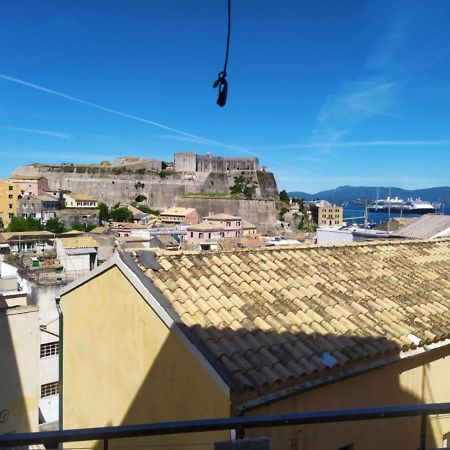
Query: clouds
[
  {"x": 364, "y": 144},
  {"x": 355, "y": 103},
  {"x": 373, "y": 94}
]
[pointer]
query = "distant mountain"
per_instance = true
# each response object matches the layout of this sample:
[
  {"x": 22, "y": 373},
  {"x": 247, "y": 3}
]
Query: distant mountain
[{"x": 362, "y": 193}]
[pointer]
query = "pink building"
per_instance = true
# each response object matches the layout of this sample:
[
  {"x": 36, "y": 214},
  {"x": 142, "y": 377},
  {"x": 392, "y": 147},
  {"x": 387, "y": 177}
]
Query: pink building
[
  {"x": 29, "y": 185},
  {"x": 180, "y": 215},
  {"x": 232, "y": 225},
  {"x": 213, "y": 228}
]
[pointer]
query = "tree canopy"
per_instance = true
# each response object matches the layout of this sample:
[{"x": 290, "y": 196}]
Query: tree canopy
[
  {"x": 243, "y": 185},
  {"x": 55, "y": 225},
  {"x": 121, "y": 214},
  {"x": 24, "y": 224}
]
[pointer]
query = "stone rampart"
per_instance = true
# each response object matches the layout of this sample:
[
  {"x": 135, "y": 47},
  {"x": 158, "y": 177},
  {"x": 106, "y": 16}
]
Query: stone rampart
[
  {"x": 159, "y": 189},
  {"x": 261, "y": 213}
]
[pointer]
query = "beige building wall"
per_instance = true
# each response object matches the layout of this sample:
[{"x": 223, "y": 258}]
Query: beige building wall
[
  {"x": 420, "y": 380},
  {"x": 19, "y": 369},
  {"x": 30, "y": 185},
  {"x": 330, "y": 216},
  {"x": 8, "y": 201},
  {"x": 123, "y": 365}
]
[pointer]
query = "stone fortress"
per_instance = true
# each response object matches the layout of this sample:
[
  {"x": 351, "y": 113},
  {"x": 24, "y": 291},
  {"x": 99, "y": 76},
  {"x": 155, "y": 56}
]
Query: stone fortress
[{"x": 191, "y": 179}]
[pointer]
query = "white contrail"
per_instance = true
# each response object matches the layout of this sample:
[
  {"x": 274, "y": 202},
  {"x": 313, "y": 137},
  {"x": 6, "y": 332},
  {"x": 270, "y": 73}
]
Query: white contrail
[
  {"x": 56, "y": 134},
  {"x": 137, "y": 118},
  {"x": 103, "y": 108}
]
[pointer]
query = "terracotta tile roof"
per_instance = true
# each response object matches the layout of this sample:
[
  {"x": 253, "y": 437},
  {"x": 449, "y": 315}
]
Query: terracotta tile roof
[
  {"x": 79, "y": 242},
  {"x": 275, "y": 315},
  {"x": 127, "y": 226},
  {"x": 247, "y": 225},
  {"x": 221, "y": 216},
  {"x": 177, "y": 211},
  {"x": 81, "y": 196},
  {"x": 15, "y": 235},
  {"x": 205, "y": 226}
]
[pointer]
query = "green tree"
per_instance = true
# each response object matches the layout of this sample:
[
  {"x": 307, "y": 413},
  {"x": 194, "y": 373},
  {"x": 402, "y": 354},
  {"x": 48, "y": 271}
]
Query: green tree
[
  {"x": 284, "y": 196},
  {"x": 243, "y": 185},
  {"x": 24, "y": 224},
  {"x": 145, "y": 208},
  {"x": 283, "y": 211},
  {"x": 104, "y": 212},
  {"x": 77, "y": 226},
  {"x": 55, "y": 225},
  {"x": 121, "y": 215}
]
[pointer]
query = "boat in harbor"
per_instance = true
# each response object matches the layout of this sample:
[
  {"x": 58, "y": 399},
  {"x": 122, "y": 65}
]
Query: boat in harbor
[{"x": 398, "y": 205}]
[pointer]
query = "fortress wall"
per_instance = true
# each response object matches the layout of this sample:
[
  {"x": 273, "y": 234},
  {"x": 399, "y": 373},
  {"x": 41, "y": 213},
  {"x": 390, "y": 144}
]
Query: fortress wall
[
  {"x": 267, "y": 184},
  {"x": 160, "y": 192},
  {"x": 262, "y": 213}
]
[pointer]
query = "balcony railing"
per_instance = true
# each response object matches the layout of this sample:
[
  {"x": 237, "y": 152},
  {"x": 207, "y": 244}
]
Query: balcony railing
[{"x": 52, "y": 439}]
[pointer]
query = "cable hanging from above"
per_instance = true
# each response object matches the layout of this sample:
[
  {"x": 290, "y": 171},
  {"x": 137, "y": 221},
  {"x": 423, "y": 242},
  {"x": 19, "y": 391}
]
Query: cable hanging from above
[{"x": 221, "y": 81}]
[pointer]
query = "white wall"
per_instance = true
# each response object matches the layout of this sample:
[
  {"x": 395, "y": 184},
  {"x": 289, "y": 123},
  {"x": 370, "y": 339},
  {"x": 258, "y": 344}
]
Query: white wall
[
  {"x": 77, "y": 263},
  {"x": 330, "y": 236}
]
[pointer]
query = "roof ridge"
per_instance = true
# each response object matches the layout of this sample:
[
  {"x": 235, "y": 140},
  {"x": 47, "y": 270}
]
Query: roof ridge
[{"x": 311, "y": 247}]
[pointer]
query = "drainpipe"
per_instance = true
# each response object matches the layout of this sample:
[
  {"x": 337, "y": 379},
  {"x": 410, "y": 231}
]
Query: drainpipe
[{"x": 60, "y": 363}]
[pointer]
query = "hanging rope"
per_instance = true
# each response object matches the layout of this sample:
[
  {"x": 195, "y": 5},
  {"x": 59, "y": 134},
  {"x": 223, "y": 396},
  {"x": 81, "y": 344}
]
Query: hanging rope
[{"x": 221, "y": 82}]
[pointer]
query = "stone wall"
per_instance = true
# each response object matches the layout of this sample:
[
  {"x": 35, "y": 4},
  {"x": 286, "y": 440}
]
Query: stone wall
[
  {"x": 192, "y": 162},
  {"x": 160, "y": 190},
  {"x": 261, "y": 213}
]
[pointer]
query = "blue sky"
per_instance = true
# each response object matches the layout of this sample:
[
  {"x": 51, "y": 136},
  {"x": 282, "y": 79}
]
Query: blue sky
[{"x": 325, "y": 93}]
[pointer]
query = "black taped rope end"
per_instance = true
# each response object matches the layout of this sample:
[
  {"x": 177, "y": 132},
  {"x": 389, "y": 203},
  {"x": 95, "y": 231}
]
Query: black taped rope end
[{"x": 222, "y": 85}]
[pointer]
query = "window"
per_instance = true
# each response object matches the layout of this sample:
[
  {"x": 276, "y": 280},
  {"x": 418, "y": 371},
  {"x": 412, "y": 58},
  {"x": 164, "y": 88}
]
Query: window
[
  {"x": 10, "y": 196},
  {"x": 10, "y": 188},
  {"x": 10, "y": 206},
  {"x": 209, "y": 235},
  {"x": 228, "y": 224},
  {"x": 200, "y": 235},
  {"x": 446, "y": 440},
  {"x": 49, "y": 389},
  {"x": 49, "y": 349},
  {"x": 192, "y": 234}
]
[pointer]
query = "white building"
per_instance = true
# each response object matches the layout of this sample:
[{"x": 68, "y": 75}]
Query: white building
[
  {"x": 45, "y": 297},
  {"x": 13, "y": 288},
  {"x": 130, "y": 229},
  {"x": 334, "y": 236},
  {"x": 78, "y": 255},
  {"x": 79, "y": 200}
]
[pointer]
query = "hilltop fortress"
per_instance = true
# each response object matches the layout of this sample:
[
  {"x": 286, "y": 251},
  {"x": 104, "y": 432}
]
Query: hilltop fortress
[{"x": 191, "y": 179}]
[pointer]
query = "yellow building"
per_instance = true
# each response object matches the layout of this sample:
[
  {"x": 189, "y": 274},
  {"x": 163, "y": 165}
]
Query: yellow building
[
  {"x": 275, "y": 330},
  {"x": 328, "y": 215},
  {"x": 19, "y": 363},
  {"x": 8, "y": 202}
]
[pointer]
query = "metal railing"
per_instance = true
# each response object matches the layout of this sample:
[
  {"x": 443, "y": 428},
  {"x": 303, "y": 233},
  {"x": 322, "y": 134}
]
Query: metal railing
[{"x": 51, "y": 439}]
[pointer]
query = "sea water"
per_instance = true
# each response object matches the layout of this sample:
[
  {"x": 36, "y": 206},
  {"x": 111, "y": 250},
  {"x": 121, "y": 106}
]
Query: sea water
[{"x": 352, "y": 210}]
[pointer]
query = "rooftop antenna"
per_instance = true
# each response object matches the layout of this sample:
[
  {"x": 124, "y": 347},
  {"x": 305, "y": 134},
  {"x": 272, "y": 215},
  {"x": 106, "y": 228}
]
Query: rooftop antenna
[{"x": 221, "y": 82}]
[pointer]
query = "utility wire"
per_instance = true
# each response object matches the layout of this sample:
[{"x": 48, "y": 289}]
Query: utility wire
[{"x": 221, "y": 82}]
